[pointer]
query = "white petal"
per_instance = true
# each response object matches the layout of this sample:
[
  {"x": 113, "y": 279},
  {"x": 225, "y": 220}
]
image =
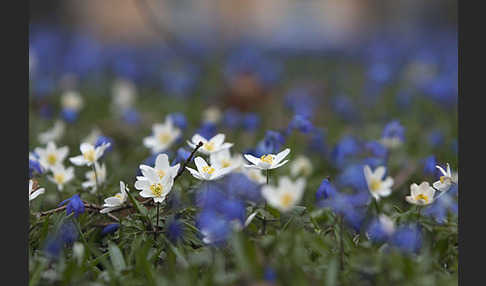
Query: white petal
[
  {"x": 78, "y": 160},
  {"x": 200, "y": 163},
  {"x": 280, "y": 156}
]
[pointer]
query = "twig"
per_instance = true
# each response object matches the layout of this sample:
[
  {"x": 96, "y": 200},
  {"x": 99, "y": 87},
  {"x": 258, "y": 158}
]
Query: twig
[{"x": 183, "y": 168}]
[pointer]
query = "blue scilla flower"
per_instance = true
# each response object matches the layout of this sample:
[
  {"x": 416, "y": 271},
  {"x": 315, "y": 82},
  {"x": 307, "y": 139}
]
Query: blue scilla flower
[
  {"x": 179, "y": 81},
  {"x": 269, "y": 274},
  {"x": 344, "y": 107},
  {"x": 175, "y": 230},
  {"x": 344, "y": 150},
  {"x": 407, "y": 238},
  {"x": 68, "y": 232},
  {"x": 210, "y": 196},
  {"x": 214, "y": 228},
  {"x": 271, "y": 143},
  {"x": 179, "y": 119},
  {"x": 300, "y": 101},
  {"x": 34, "y": 167},
  {"x": 301, "y": 123},
  {"x": 102, "y": 140},
  {"x": 317, "y": 141},
  {"x": 74, "y": 205},
  {"x": 380, "y": 229},
  {"x": 379, "y": 72},
  {"x": 441, "y": 207},
  {"x": 376, "y": 149},
  {"x": 233, "y": 210},
  {"x": 232, "y": 118},
  {"x": 430, "y": 164},
  {"x": 131, "y": 116},
  {"x": 111, "y": 228},
  {"x": 325, "y": 190},
  {"x": 181, "y": 155},
  {"x": 393, "y": 133},
  {"x": 374, "y": 162},
  {"x": 237, "y": 185},
  {"x": 53, "y": 246},
  {"x": 207, "y": 130},
  {"x": 352, "y": 176},
  {"x": 69, "y": 115},
  {"x": 350, "y": 206},
  {"x": 251, "y": 121}
]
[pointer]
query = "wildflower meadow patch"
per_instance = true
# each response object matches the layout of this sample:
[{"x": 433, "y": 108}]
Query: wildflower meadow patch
[{"x": 258, "y": 168}]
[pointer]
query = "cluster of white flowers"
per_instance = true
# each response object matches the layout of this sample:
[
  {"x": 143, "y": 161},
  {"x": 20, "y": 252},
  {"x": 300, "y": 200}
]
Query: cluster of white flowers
[{"x": 51, "y": 158}]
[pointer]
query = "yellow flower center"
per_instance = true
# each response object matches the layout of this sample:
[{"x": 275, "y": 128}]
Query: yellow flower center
[
  {"x": 51, "y": 159},
  {"x": 89, "y": 155},
  {"x": 375, "y": 185},
  {"x": 156, "y": 189},
  {"x": 161, "y": 173},
  {"x": 208, "y": 169},
  {"x": 422, "y": 197},
  {"x": 119, "y": 196},
  {"x": 209, "y": 146},
  {"x": 267, "y": 159},
  {"x": 286, "y": 199},
  {"x": 442, "y": 179},
  {"x": 164, "y": 138},
  {"x": 225, "y": 163},
  {"x": 59, "y": 178}
]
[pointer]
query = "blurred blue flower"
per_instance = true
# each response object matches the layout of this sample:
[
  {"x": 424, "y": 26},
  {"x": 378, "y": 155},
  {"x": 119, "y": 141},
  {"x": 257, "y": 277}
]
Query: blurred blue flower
[
  {"x": 181, "y": 156},
  {"x": 111, "y": 228},
  {"x": 352, "y": 176},
  {"x": 300, "y": 101},
  {"x": 251, "y": 121},
  {"x": 344, "y": 150},
  {"x": 102, "y": 140},
  {"x": 271, "y": 143},
  {"x": 53, "y": 246},
  {"x": 233, "y": 210},
  {"x": 407, "y": 238},
  {"x": 441, "y": 207},
  {"x": 209, "y": 196},
  {"x": 317, "y": 141},
  {"x": 237, "y": 185},
  {"x": 214, "y": 228},
  {"x": 378, "y": 231},
  {"x": 232, "y": 118},
  {"x": 131, "y": 116},
  {"x": 376, "y": 149},
  {"x": 207, "y": 130},
  {"x": 394, "y": 131},
  {"x": 430, "y": 164},
  {"x": 301, "y": 123},
  {"x": 435, "y": 138},
  {"x": 68, "y": 232},
  {"x": 69, "y": 115},
  {"x": 34, "y": 166},
  {"x": 344, "y": 107},
  {"x": 270, "y": 275},
  {"x": 350, "y": 206},
  {"x": 179, "y": 119},
  {"x": 74, "y": 204},
  {"x": 175, "y": 230},
  {"x": 325, "y": 190}
]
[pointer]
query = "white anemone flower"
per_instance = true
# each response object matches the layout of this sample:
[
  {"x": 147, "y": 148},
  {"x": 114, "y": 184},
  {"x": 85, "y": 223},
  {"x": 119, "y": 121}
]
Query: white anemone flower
[
  {"x": 269, "y": 161},
  {"x": 213, "y": 145},
  {"x": 421, "y": 195},
  {"x": 206, "y": 172},
  {"x": 162, "y": 167},
  {"x": 301, "y": 166},
  {"x": 51, "y": 156},
  {"x": 163, "y": 135},
  {"x": 223, "y": 159},
  {"x": 123, "y": 94},
  {"x": 377, "y": 185},
  {"x": 34, "y": 193},
  {"x": 61, "y": 175},
  {"x": 72, "y": 100},
  {"x": 113, "y": 203},
  {"x": 286, "y": 195},
  {"x": 89, "y": 154},
  {"x": 152, "y": 186},
  {"x": 446, "y": 180},
  {"x": 91, "y": 177},
  {"x": 53, "y": 134}
]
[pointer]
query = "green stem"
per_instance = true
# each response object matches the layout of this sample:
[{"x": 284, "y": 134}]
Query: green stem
[
  {"x": 265, "y": 207},
  {"x": 377, "y": 208},
  {"x": 157, "y": 223},
  {"x": 341, "y": 242},
  {"x": 98, "y": 195}
]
